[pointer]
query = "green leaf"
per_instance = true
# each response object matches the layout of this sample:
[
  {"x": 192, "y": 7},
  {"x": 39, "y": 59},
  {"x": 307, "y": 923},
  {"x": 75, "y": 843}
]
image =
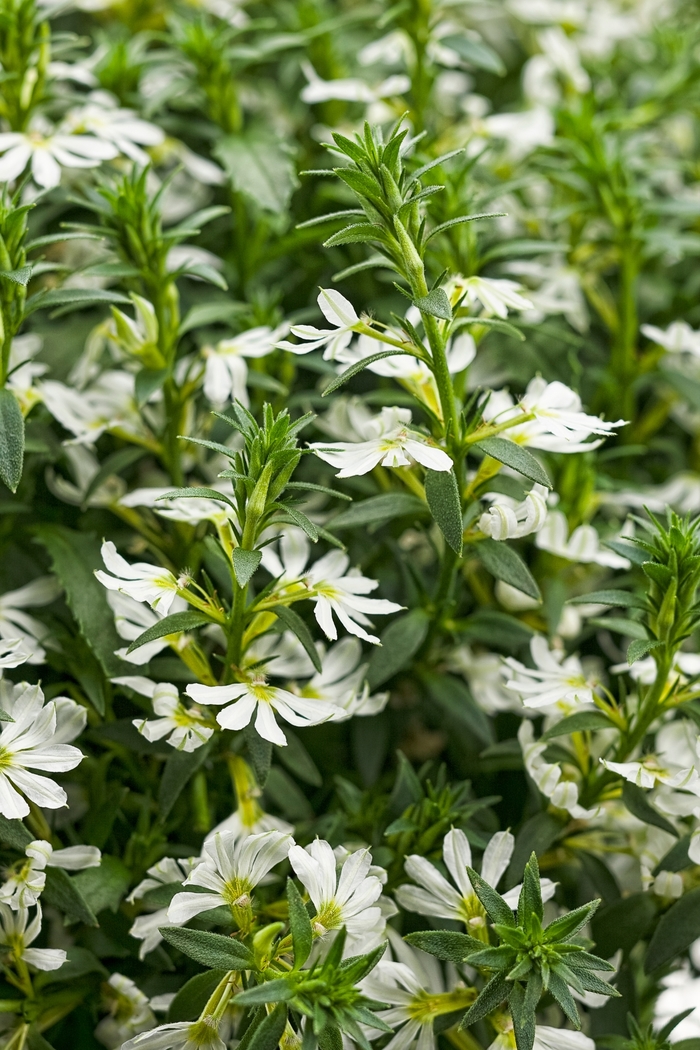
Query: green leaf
[
  {"x": 22, "y": 276},
  {"x": 436, "y": 304},
  {"x": 401, "y": 640},
  {"x": 560, "y": 991},
  {"x": 74, "y": 557},
  {"x": 357, "y": 233},
  {"x": 194, "y": 995},
  {"x": 206, "y": 273},
  {"x": 537, "y": 834},
  {"x": 530, "y": 900},
  {"x": 148, "y": 380},
  {"x": 114, "y": 464},
  {"x": 490, "y": 997},
  {"x": 496, "y": 908},
  {"x": 36, "y": 1041},
  {"x": 65, "y": 894},
  {"x": 75, "y": 297},
  {"x": 104, "y": 887},
  {"x": 378, "y": 509},
  {"x": 295, "y": 517},
  {"x": 581, "y": 722},
  {"x": 298, "y": 761},
  {"x": 180, "y": 766},
  {"x": 567, "y": 926},
  {"x": 260, "y": 751},
  {"x": 360, "y": 366},
  {"x": 220, "y": 311},
  {"x": 210, "y": 949},
  {"x": 270, "y": 1030},
  {"x": 627, "y": 550},
  {"x": 622, "y": 599},
  {"x": 197, "y": 492},
  {"x": 445, "y": 944},
  {"x": 676, "y": 931},
  {"x": 11, "y": 440},
  {"x": 176, "y": 623},
  {"x": 639, "y": 648},
  {"x": 515, "y": 457},
  {"x": 259, "y": 167},
  {"x": 455, "y": 699},
  {"x": 293, "y": 622},
  {"x": 621, "y": 625},
  {"x": 442, "y": 494},
  {"x": 459, "y": 220},
  {"x": 677, "y": 857},
  {"x": 299, "y": 925},
  {"x": 506, "y": 564},
  {"x": 13, "y": 833},
  {"x": 622, "y": 924},
  {"x": 244, "y": 564},
  {"x": 636, "y": 801},
  {"x": 475, "y": 52},
  {"x": 276, "y": 991}
]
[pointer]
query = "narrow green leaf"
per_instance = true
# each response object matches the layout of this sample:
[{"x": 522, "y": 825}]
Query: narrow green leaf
[
  {"x": 515, "y": 457},
  {"x": 639, "y": 648},
  {"x": 276, "y": 991},
  {"x": 176, "y": 623},
  {"x": 22, "y": 276},
  {"x": 445, "y": 944},
  {"x": 295, "y": 517},
  {"x": 357, "y": 233},
  {"x": 580, "y": 722},
  {"x": 460, "y": 219},
  {"x": 11, "y": 440},
  {"x": 193, "y": 996},
  {"x": 621, "y": 599},
  {"x": 244, "y": 564},
  {"x": 76, "y": 297},
  {"x": 197, "y": 492},
  {"x": 270, "y": 1030},
  {"x": 293, "y": 622},
  {"x": 636, "y": 801},
  {"x": 210, "y": 949},
  {"x": 442, "y": 494},
  {"x": 378, "y": 509},
  {"x": 506, "y": 564},
  {"x": 299, "y": 924},
  {"x": 476, "y": 53},
  {"x": 147, "y": 381},
  {"x": 490, "y": 997},
  {"x": 360, "y": 366},
  {"x": 496, "y": 907},
  {"x": 401, "y": 640}
]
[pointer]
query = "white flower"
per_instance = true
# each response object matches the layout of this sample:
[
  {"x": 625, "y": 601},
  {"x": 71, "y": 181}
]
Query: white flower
[
  {"x": 101, "y": 116},
  {"x": 659, "y": 769},
  {"x": 350, "y": 89},
  {"x": 486, "y": 675},
  {"x": 435, "y": 896},
  {"x": 496, "y": 295},
  {"x": 583, "y": 545},
  {"x": 393, "y": 444},
  {"x": 545, "y": 1039},
  {"x": 341, "y": 898},
  {"x": 46, "y": 151},
  {"x": 230, "y": 869},
  {"x": 681, "y": 990},
  {"x": 559, "y": 290},
  {"x": 559, "y": 424},
  {"x": 25, "y": 881},
  {"x": 185, "y": 727},
  {"x": 30, "y": 742},
  {"x": 108, "y": 405},
  {"x": 340, "y": 313},
  {"x": 14, "y": 623},
  {"x": 129, "y": 1012},
  {"x": 146, "y": 928},
  {"x": 548, "y": 777},
  {"x": 554, "y": 681},
  {"x": 333, "y": 589},
  {"x": 140, "y": 581},
  {"x": 226, "y": 372},
  {"x": 132, "y": 618},
  {"x": 523, "y": 131},
  {"x": 180, "y": 1035},
  {"x": 186, "y": 509},
  {"x": 257, "y": 697},
  {"x": 18, "y": 933},
  {"x": 508, "y": 518},
  {"x": 678, "y": 338},
  {"x": 83, "y": 466},
  {"x": 341, "y": 682}
]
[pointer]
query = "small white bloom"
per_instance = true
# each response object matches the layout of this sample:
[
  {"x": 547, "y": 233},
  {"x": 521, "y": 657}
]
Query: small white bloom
[
  {"x": 129, "y": 1012},
  {"x": 678, "y": 338},
  {"x": 16, "y": 935},
  {"x": 185, "y": 727},
  {"x": 146, "y": 928},
  {"x": 226, "y": 371},
  {"x": 548, "y": 777},
  {"x": 338, "y": 312},
  {"x": 230, "y": 869},
  {"x": 583, "y": 545},
  {"x": 140, "y": 581},
  {"x": 180, "y": 1035},
  {"x": 350, "y": 89},
  {"x": 46, "y": 151},
  {"x": 486, "y": 675},
  {"x": 102, "y": 117},
  {"x": 108, "y": 405},
  {"x": 14, "y": 623},
  {"x": 83, "y": 465},
  {"x": 508, "y": 518},
  {"x": 553, "y": 682},
  {"x": 521, "y": 132},
  {"x": 26, "y": 880},
  {"x": 341, "y": 898},
  {"x": 681, "y": 990},
  {"x": 31, "y": 742},
  {"x": 257, "y": 697},
  {"x": 435, "y": 896},
  {"x": 496, "y": 295},
  {"x": 393, "y": 444},
  {"x": 341, "y": 682}
]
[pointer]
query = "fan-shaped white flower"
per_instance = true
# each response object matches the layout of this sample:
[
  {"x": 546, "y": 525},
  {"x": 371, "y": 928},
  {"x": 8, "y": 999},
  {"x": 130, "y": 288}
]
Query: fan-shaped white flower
[
  {"x": 186, "y": 509},
  {"x": 554, "y": 681},
  {"x": 180, "y": 1035},
  {"x": 83, "y": 466},
  {"x": 230, "y": 869},
  {"x": 28, "y": 743},
  {"x": 341, "y": 897},
  {"x": 342, "y": 682},
  {"x": 350, "y": 89},
  {"x": 393, "y": 444},
  {"x": 140, "y": 581},
  {"x": 435, "y": 895},
  {"x": 508, "y": 518},
  {"x": 678, "y": 338},
  {"x": 108, "y": 405},
  {"x": 186, "y": 728},
  {"x": 46, "y": 150},
  {"x": 102, "y": 117},
  {"x": 549, "y": 777},
  {"x": 226, "y": 372},
  {"x": 486, "y": 675},
  {"x": 546, "y": 1038},
  {"x": 257, "y": 697},
  {"x": 15, "y": 623},
  {"x": 496, "y": 295},
  {"x": 338, "y": 312},
  {"x": 17, "y": 933},
  {"x": 25, "y": 881},
  {"x": 167, "y": 872},
  {"x": 583, "y": 545},
  {"x": 129, "y": 1012}
]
